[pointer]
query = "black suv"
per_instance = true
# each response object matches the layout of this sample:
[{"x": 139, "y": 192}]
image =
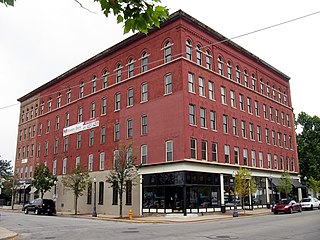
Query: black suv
[{"x": 40, "y": 206}]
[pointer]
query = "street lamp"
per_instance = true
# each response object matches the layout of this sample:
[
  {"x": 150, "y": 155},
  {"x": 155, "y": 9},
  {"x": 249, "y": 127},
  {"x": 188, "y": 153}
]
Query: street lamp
[
  {"x": 271, "y": 192},
  {"x": 24, "y": 193},
  {"x": 305, "y": 180},
  {"x": 235, "y": 209},
  {"x": 94, "y": 212},
  {"x": 55, "y": 190}
]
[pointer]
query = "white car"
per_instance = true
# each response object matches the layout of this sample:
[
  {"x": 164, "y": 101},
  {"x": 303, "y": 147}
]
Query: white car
[{"x": 310, "y": 203}]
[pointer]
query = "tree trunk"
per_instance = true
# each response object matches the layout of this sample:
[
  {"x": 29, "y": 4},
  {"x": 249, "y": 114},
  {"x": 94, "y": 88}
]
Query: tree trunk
[
  {"x": 120, "y": 207},
  {"x": 75, "y": 205},
  {"x": 41, "y": 193}
]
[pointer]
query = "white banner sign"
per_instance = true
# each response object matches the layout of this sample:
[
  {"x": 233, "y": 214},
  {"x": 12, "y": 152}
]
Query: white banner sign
[{"x": 81, "y": 127}]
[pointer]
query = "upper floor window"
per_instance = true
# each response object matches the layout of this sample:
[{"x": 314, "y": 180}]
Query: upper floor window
[
  {"x": 168, "y": 84},
  {"x": 81, "y": 90},
  {"x": 118, "y": 73},
  {"x": 193, "y": 148},
  {"x": 144, "y": 92},
  {"x": 211, "y": 90},
  {"x": 103, "y": 106},
  {"x": 188, "y": 50},
  {"x": 201, "y": 87},
  {"x": 144, "y": 125},
  {"x": 49, "y": 107},
  {"x": 93, "y": 110},
  {"x": 167, "y": 52},
  {"x": 94, "y": 84},
  {"x": 117, "y": 131},
  {"x": 117, "y": 102},
  {"x": 203, "y": 118},
  {"x": 253, "y": 82},
  {"x": 130, "y": 68},
  {"x": 261, "y": 87},
  {"x": 225, "y": 124},
  {"x": 105, "y": 79},
  {"x": 192, "y": 114},
  {"x": 199, "y": 55},
  {"x": 144, "y": 154},
  {"x": 246, "y": 78},
  {"x": 59, "y": 100},
  {"x": 229, "y": 70},
  {"x": 169, "y": 150},
  {"x": 223, "y": 95},
  {"x": 220, "y": 66},
  {"x": 130, "y": 97},
  {"x": 208, "y": 60},
  {"x": 191, "y": 86},
  {"x": 69, "y": 96},
  {"x": 238, "y": 74},
  {"x": 144, "y": 62},
  {"x": 80, "y": 114},
  {"x": 67, "y": 119}
]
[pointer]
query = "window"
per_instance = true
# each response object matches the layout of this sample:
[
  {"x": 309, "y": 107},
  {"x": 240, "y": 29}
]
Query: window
[
  {"x": 229, "y": 69},
  {"x": 275, "y": 162},
  {"x": 93, "y": 110},
  {"x": 91, "y": 138},
  {"x": 49, "y": 108},
  {"x": 130, "y": 97},
  {"x": 265, "y": 113},
  {"x": 191, "y": 82},
  {"x": 167, "y": 52},
  {"x": 78, "y": 141},
  {"x": 204, "y": 152},
  {"x": 144, "y": 154},
  {"x": 128, "y": 192},
  {"x": 105, "y": 79},
  {"x": 103, "y": 135},
  {"x": 225, "y": 124},
  {"x": 117, "y": 102},
  {"x": 245, "y": 157},
  {"x": 220, "y": 66},
  {"x": 101, "y": 193},
  {"x": 102, "y": 158},
  {"x": 235, "y": 126},
  {"x": 223, "y": 95},
  {"x": 192, "y": 114},
  {"x": 213, "y": 121},
  {"x": 144, "y": 92},
  {"x": 67, "y": 119},
  {"x": 285, "y": 99},
  {"x": 259, "y": 133},
  {"x": 214, "y": 152},
  {"x": 267, "y": 136},
  {"x": 89, "y": 193},
  {"x": 236, "y": 155},
  {"x": 131, "y": 68},
  {"x": 269, "y": 160},
  {"x": 81, "y": 90},
  {"x": 203, "y": 120},
  {"x": 288, "y": 121},
  {"x": 251, "y": 130},
  {"x": 282, "y": 119},
  {"x": 232, "y": 99},
  {"x": 254, "y": 82},
  {"x": 118, "y": 73},
  {"x": 55, "y": 147},
  {"x": 59, "y": 100},
  {"x": 226, "y": 153},
  {"x": 57, "y": 122},
  {"x": 193, "y": 148},
  {"x": 80, "y": 114},
  {"x": 277, "y": 115},
  {"x": 238, "y": 74},
  {"x": 115, "y": 158},
  {"x": 208, "y": 60},
  {"x": 90, "y": 163},
  {"x": 211, "y": 90},
  {"x": 199, "y": 55},
  {"x": 66, "y": 144},
  {"x": 117, "y": 131},
  {"x": 129, "y": 128},
  {"x": 241, "y": 103},
  {"x": 38, "y": 150},
  {"x": 168, "y": 84},
  {"x": 253, "y": 158},
  {"x": 94, "y": 84},
  {"x": 273, "y": 135},
  {"x": 201, "y": 87},
  {"x": 144, "y": 125},
  {"x": 274, "y": 93},
  {"x": 280, "y": 139},
  {"x": 64, "y": 166},
  {"x": 268, "y": 90},
  {"x": 103, "y": 106},
  {"x": 271, "y": 113},
  {"x": 144, "y": 62},
  {"x": 69, "y": 96},
  {"x": 48, "y": 126},
  {"x": 256, "y": 108},
  {"x": 188, "y": 50},
  {"x": 245, "y": 77},
  {"x": 54, "y": 168},
  {"x": 249, "y": 105},
  {"x": 261, "y": 87},
  {"x": 290, "y": 142},
  {"x": 243, "y": 129},
  {"x": 169, "y": 150}
]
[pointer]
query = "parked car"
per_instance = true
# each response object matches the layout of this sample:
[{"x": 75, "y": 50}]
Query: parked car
[
  {"x": 40, "y": 206},
  {"x": 310, "y": 203},
  {"x": 287, "y": 206}
]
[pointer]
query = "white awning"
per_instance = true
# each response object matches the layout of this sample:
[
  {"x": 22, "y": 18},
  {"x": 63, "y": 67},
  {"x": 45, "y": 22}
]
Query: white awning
[{"x": 33, "y": 190}]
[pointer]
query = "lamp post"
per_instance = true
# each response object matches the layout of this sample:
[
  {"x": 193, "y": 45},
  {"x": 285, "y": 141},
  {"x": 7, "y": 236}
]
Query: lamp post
[
  {"x": 235, "y": 208},
  {"x": 271, "y": 192},
  {"x": 24, "y": 193},
  {"x": 55, "y": 190},
  {"x": 305, "y": 181},
  {"x": 94, "y": 212}
]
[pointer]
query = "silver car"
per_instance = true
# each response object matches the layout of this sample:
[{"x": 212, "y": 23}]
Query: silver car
[{"x": 310, "y": 203}]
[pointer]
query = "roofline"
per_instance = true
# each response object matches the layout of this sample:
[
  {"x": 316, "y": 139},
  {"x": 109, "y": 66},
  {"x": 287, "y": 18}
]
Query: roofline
[{"x": 173, "y": 17}]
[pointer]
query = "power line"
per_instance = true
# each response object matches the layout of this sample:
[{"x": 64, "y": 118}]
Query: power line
[{"x": 181, "y": 53}]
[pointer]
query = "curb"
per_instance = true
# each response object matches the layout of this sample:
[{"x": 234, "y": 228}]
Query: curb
[{"x": 7, "y": 235}]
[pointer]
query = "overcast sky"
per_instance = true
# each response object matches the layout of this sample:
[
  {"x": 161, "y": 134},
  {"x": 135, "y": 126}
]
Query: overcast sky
[{"x": 41, "y": 39}]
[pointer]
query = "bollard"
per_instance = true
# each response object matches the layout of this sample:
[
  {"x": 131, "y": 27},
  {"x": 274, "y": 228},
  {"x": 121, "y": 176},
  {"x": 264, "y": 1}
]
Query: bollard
[{"x": 130, "y": 214}]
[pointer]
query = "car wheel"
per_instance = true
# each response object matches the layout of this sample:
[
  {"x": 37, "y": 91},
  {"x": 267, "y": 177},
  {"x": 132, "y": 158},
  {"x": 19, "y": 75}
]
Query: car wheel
[
  {"x": 36, "y": 211},
  {"x": 291, "y": 211},
  {"x": 26, "y": 211},
  {"x": 311, "y": 208},
  {"x": 275, "y": 212}
]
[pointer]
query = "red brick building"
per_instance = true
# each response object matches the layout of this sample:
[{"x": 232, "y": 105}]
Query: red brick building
[{"x": 195, "y": 105}]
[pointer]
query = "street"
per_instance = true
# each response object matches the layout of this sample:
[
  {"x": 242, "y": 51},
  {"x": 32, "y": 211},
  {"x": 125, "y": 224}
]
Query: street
[{"x": 298, "y": 226}]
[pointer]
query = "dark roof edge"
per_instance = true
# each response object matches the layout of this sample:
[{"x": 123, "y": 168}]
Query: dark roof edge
[{"x": 173, "y": 17}]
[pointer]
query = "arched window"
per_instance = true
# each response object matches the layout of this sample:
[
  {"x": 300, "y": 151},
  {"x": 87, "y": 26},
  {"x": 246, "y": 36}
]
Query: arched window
[
  {"x": 188, "y": 50},
  {"x": 167, "y": 52},
  {"x": 238, "y": 74},
  {"x": 246, "y": 80},
  {"x": 229, "y": 65},
  {"x": 81, "y": 90},
  {"x": 105, "y": 79},
  {"x": 261, "y": 87},
  {"x": 130, "y": 68},
  {"x": 208, "y": 60},
  {"x": 220, "y": 66},
  {"x": 94, "y": 84},
  {"x": 144, "y": 62},
  {"x": 118, "y": 73},
  {"x": 199, "y": 55},
  {"x": 253, "y": 82}
]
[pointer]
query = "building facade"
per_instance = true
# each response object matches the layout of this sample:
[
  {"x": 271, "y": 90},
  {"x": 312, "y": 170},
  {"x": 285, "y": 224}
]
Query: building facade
[{"x": 195, "y": 105}]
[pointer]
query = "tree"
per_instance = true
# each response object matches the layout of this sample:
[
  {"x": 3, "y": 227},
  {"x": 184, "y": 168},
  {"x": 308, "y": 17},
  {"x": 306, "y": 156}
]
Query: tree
[
  {"x": 285, "y": 184},
  {"x": 308, "y": 141},
  {"x": 43, "y": 180},
  {"x": 245, "y": 186},
  {"x": 77, "y": 181},
  {"x": 314, "y": 185},
  {"x": 124, "y": 173},
  {"x": 5, "y": 168},
  {"x": 7, "y": 2}
]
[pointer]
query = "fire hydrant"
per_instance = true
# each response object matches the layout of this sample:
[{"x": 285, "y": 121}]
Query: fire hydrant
[{"x": 130, "y": 214}]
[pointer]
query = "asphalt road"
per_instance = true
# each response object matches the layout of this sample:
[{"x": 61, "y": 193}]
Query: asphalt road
[{"x": 298, "y": 226}]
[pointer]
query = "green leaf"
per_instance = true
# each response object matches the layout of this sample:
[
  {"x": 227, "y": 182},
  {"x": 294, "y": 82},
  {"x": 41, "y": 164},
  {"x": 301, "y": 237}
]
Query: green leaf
[{"x": 119, "y": 19}]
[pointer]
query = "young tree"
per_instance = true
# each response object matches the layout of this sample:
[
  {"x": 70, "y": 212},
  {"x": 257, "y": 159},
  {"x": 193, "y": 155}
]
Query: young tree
[
  {"x": 314, "y": 185},
  {"x": 7, "y": 2},
  {"x": 43, "y": 180},
  {"x": 124, "y": 171},
  {"x": 5, "y": 169},
  {"x": 245, "y": 186},
  {"x": 77, "y": 181},
  {"x": 285, "y": 184}
]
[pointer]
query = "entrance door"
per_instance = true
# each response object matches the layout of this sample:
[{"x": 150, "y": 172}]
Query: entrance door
[{"x": 174, "y": 198}]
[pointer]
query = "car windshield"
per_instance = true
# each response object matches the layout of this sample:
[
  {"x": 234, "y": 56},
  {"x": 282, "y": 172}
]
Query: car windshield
[
  {"x": 284, "y": 201},
  {"x": 306, "y": 200}
]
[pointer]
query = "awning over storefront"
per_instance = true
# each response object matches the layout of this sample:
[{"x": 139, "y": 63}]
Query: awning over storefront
[
  {"x": 276, "y": 182},
  {"x": 33, "y": 190},
  {"x": 297, "y": 184},
  {"x": 23, "y": 187}
]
